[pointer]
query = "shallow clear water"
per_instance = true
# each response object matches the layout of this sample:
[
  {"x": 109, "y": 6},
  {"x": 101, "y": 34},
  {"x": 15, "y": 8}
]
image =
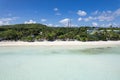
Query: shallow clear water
[{"x": 59, "y": 63}]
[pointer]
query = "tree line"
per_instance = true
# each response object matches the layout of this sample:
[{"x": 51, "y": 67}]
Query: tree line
[{"x": 39, "y": 32}]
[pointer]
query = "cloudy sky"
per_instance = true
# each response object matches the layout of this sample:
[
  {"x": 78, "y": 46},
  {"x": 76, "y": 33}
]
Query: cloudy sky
[{"x": 59, "y": 12}]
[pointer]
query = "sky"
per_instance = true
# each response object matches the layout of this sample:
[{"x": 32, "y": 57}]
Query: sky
[{"x": 60, "y": 12}]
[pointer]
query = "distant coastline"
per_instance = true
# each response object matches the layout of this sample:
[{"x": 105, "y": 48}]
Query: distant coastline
[{"x": 40, "y": 32}]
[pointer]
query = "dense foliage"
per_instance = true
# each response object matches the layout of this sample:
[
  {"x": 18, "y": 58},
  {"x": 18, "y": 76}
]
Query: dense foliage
[{"x": 39, "y": 32}]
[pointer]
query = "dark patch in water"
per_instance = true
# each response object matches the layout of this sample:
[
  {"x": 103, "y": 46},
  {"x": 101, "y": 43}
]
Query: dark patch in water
[
  {"x": 55, "y": 52},
  {"x": 100, "y": 50}
]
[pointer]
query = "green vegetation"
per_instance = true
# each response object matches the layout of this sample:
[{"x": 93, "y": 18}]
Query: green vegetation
[{"x": 39, "y": 32}]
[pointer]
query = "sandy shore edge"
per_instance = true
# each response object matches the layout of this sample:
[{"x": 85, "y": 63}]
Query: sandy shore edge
[{"x": 62, "y": 43}]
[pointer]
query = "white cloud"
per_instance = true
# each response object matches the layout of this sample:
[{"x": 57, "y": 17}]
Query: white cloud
[
  {"x": 55, "y": 9},
  {"x": 6, "y": 21},
  {"x": 58, "y": 14},
  {"x": 109, "y": 11},
  {"x": 107, "y": 15},
  {"x": 30, "y": 22},
  {"x": 56, "y": 25},
  {"x": 52, "y": 25},
  {"x": 94, "y": 24},
  {"x": 86, "y": 19},
  {"x": 101, "y": 13},
  {"x": 80, "y": 19},
  {"x": 3, "y": 23},
  {"x": 49, "y": 24},
  {"x": 102, "y": 25},
  {"x": 112, "y": 24},
  {"x": 81, "y": 13},
  {"x": 117, "y": 12},
  {"x": 74, "y": 25},
  {"x": 43, "y": 20},
  {"x": 65, "y": 21},
  {"x": 115, "y": 24},
  {"x": 109, "y": 24},
  {"x": 95, "y": 13},
  {"x": 89, "y": 18},
  {"x": 9, "y": 14},
  {"x": 103, "y": 16}
]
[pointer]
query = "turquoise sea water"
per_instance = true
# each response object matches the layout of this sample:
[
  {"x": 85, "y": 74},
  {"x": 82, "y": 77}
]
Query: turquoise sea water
[{"x": 59, "y": 63}]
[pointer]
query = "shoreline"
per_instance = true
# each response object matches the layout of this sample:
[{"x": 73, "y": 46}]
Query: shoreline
[{"x": 60, "y": 43}]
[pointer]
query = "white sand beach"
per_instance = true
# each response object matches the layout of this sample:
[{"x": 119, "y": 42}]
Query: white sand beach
[{"x": 60, "y": 43}]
